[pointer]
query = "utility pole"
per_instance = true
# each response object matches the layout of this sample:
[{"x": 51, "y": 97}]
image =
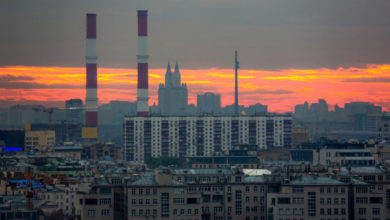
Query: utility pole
[{"x": 236, "y": 66}]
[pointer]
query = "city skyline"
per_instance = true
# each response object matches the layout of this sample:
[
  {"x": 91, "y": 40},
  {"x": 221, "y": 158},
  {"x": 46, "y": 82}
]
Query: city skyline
[{"x": 281, "y": 90}]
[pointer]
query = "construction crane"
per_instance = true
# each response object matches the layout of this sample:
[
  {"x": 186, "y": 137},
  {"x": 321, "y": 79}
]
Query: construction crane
[
  {"x": 49, "y": 113},
  {"x": 30, "y": 193}
]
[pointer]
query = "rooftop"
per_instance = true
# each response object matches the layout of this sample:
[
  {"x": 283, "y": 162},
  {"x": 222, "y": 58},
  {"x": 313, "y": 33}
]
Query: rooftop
[{"x": 315, "y": 180}]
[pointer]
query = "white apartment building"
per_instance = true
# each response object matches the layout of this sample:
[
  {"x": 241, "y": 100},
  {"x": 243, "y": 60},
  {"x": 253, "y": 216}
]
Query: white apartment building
[{"x": 200, "y": 136}]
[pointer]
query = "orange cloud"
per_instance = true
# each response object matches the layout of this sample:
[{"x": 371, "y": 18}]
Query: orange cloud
[{"x": 281, "y": 89}]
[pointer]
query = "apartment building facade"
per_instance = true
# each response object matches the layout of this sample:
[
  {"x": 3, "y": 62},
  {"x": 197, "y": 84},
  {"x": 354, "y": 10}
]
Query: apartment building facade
[
  {"x": 309, "y": 197},
  {"x": 201, "y": 136}
]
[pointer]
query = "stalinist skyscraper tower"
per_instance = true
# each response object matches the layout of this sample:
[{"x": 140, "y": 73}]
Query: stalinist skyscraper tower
[{"x": 173, "y": 95}]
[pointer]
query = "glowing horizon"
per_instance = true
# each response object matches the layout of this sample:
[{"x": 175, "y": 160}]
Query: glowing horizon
[{"x": 281, "y": 90}]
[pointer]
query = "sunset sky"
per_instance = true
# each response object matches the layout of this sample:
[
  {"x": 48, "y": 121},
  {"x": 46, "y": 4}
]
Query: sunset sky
[
  {"x": 289, "y": 51},
  {"x": 279, "y": 89}
]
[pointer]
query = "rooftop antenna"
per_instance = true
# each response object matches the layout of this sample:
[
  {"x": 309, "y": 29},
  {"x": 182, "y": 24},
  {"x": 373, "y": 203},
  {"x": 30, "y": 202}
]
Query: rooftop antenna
[{"x": 236, "y": 66}]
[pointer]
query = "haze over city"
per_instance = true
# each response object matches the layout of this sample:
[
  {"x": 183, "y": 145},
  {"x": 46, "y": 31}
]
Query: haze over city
[
  {"x": 289, "y": 52},
  {"x": 195, "y": 110}
]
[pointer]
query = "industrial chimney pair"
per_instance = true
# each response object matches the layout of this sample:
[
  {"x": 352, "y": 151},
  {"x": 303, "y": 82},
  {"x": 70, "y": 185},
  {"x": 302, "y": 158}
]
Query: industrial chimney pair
[{"x": 91, "y": 115}]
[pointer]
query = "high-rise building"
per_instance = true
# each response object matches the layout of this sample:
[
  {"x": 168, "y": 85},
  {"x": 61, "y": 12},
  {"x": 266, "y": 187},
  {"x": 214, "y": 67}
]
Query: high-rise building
[
  {"x": 74, "y": 111},
  {"x": 209, "y": 103},
  {"x": 146, "y": 137},
  {"x": 173, "y": 95}
]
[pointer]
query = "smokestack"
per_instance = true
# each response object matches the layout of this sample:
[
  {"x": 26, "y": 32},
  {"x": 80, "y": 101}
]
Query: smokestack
[
  {"x": 91, "y": 115},
  {"x": 142, "y": 56},
  {"x": 236, "y": 66}
]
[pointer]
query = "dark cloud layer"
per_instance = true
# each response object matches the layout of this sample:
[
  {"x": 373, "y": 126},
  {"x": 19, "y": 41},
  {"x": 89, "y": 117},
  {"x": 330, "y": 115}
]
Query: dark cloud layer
[
  {"x": 269, "y": 34},
  {"x": 369, "y": 80}
]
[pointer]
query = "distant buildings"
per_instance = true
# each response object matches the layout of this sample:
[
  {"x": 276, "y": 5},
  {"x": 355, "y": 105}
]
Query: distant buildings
[
  {"x": 12, "y": 138},
  {"x": 74, "y": 111},
  {"x": 385, "y": 128},
  {"x": 173, "y": 95},
  {"x": 209, "y": 103},
  {"x": 201, "y": 136},
  {"x": 39, "y": 140},
  {"x": 242, "y": 156},
  {"x": 357, "y": 120}
]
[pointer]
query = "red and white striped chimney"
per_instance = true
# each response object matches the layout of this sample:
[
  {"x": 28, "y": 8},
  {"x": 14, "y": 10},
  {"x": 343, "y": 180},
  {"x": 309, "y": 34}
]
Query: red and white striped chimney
[
  {"x": 91, "y": 101},
  {"x": 142, "y": 56}
]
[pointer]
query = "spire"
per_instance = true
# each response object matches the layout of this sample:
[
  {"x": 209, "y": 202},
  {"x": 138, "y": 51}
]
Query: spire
[
  {"x": 168, "y": 68},
  {"x": 176, "y": 68}
]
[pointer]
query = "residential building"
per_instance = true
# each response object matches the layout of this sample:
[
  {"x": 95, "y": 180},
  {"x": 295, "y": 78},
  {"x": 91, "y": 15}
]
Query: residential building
[
  {"x": 201, "y": 136},
  {"x": 310, "y": 197}
]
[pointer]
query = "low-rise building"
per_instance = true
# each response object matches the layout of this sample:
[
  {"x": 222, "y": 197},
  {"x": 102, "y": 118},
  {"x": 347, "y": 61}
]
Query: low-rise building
[
  {"x": 311, "y": 197},
  {"x": 39, "y": 140}
]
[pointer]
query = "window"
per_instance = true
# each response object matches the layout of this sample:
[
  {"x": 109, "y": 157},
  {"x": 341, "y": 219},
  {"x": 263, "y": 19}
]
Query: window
[
  {"x": 255, "y": 189},
  {"x": 178, "y": 200},
  {"x": 105, "y": 212},
  {"x": 247, "y": 189},
  {"x": 105, "y": 191},
  {"x": 147, "y": 202},
  {"x": 133, "y": 191},
  {"x": 133, "y": 212},
  {"x": 336, "y": 201},
  {"x": 175, "y": 212},
  {"x": 164, "y": 204},
  {"x": 91, "y": 213},
  {"x": 362, "y": 211},
  {"x": 284, "y": 200},
  {"x": 154, "y": 201},
  {"x": 361, "y": 189},
  {"x": 322, "y": 201},
  {"x": 342, "y": 200},
  {"x": 311, "y": 204},
  {"x": 329, "y": 201},
  {"x": 376, "y": 211},
  {"x": 336, "y": 190},
  {"x": 362, "y": 200},
  {"x": 90, "y": 201},
  {"x": 140, "y": 202},
  {"x": 297, "y": 190},
  {"x": 105, "y": 201},
  {"x": 189, "y": 211}
]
